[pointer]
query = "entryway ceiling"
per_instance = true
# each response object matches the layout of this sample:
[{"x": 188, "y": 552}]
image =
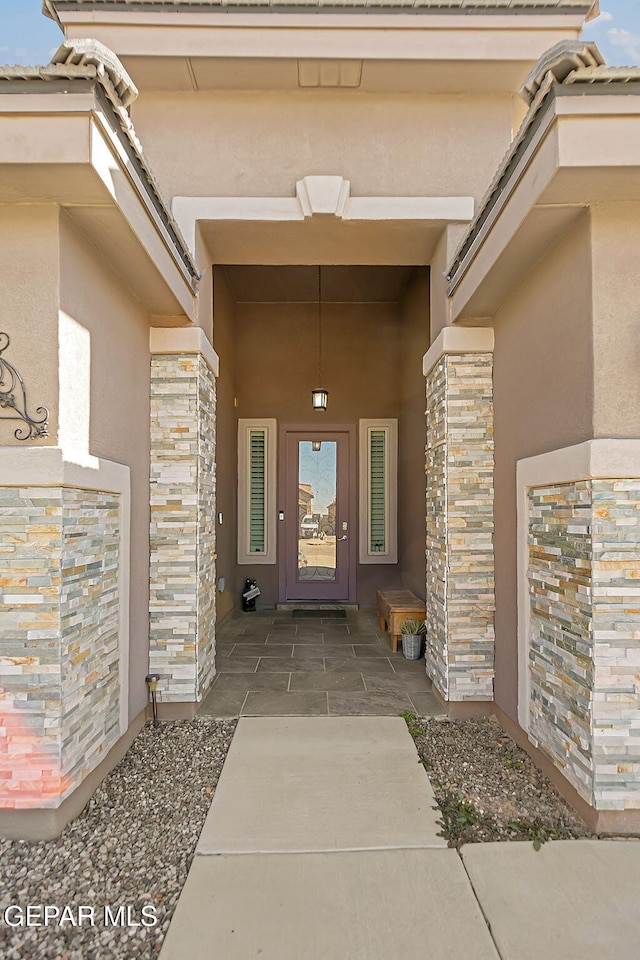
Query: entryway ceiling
[{"x": 299, "y": 284}]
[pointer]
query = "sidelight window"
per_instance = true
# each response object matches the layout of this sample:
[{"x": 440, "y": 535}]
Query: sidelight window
[{"x": 378, "y": 491}]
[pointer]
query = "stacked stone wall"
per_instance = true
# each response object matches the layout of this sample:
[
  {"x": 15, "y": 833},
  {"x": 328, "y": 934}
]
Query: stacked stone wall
[
  {"x": 459, "y": 552},
  {"x": 182, "y": 536},
  {"x": 616, "y": 638},
  {"x": 436, "y": 553},
  {"x": 206, "y": 529},
  {"x": 89, "y": 630},
  {"x": 59, "y": 640},
  {"x": 561, "y": 648},
  {"x": 584, "y": 637}
]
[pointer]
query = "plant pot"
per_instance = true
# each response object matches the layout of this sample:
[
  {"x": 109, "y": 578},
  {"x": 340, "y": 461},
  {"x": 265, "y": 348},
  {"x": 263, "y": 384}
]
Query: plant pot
[{"x": 412, "y": 646}]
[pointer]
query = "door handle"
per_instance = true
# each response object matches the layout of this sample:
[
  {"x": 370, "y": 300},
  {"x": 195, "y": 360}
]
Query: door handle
[{"x": 343, "y": 538}]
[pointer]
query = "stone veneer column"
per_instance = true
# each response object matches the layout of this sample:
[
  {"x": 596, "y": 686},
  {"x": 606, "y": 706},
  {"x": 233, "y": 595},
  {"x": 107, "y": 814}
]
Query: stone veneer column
[
  {"x": 183, "y": 490},
  {"x": 63, "y": 622},
  {"x": 580, "y": 630},
  {"x": 460, "y": 600}
]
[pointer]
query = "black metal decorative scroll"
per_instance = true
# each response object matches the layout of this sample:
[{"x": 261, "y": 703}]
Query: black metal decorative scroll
[{"x": 13, "y": 396}]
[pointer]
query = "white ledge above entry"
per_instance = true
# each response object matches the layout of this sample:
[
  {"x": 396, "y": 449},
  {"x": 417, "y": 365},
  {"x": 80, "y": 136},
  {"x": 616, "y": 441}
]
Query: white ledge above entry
[
  {"x": 323, "y": 196},
  {"x": 457, "y": 340},
  {"x": 189, "y": 340}
]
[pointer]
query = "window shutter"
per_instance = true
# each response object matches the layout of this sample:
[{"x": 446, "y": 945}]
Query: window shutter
[
  {"x": 257, "y": 499},
  {"x": 257, "y": 491},
  {"x": 378, "y": 491},
  {"x": 378, "y": 485}
]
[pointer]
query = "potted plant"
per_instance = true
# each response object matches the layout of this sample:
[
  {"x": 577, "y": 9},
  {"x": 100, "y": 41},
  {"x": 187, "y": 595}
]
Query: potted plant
[{"x": 413, "y": 632}]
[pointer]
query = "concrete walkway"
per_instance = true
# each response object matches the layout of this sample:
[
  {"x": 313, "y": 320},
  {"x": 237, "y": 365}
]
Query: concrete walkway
[
  {"x": 307, "y": 784},
  {"x": 322, "y": 844}
]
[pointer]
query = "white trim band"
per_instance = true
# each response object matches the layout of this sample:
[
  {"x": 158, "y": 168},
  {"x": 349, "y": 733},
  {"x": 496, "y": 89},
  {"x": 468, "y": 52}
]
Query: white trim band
[
  {"x": 458, "y": 340},
  {"x": 323, "y": 195},
  {"x": 164, "y": 341}
]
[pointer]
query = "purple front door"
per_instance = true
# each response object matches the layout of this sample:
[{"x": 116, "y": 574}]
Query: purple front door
[{"x": 318, "y": 534}]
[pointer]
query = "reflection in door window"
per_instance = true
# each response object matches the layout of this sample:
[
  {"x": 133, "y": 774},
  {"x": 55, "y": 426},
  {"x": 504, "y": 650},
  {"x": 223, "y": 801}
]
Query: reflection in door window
[{"x": 317, "y": 476}]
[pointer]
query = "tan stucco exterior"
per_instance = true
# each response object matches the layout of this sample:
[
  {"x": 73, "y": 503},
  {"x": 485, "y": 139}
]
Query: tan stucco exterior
[
  {"x": 433, "y": 145},
  {"x": 275, "y": 357},
  {"x": 30, "y": 277},
  {"x": 543, "y": 400},
  {"x": 224, "y": 341},
  {"x": 117, "y": 327},
  {"x": 615, "y": 232},
  {"x": 138, "y": 221},
  {"x": 414, "y": 337},
  {"x": 563, "y": 310},
  {"x": 71, "y": 312}
]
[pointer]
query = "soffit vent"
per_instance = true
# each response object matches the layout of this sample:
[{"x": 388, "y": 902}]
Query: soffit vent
[{"x": 329, "y": 73}]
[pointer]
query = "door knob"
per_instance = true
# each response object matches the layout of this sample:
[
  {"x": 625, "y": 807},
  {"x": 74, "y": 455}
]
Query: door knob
[{"x": 344, "y": 538}]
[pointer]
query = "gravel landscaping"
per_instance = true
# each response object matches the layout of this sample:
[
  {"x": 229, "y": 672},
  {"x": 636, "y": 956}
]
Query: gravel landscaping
[
  {"x": 132, "y": 846},
  {"x": 487, "y": 788}
]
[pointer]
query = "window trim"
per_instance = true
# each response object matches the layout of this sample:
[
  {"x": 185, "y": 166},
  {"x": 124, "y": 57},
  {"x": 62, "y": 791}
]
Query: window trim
[
  {"x": 365, "y": 428},
  {"x": 245, "y": 428}
]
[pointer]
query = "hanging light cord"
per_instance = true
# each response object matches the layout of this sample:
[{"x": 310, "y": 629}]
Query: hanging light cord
[{"x": 319, "y": 326}]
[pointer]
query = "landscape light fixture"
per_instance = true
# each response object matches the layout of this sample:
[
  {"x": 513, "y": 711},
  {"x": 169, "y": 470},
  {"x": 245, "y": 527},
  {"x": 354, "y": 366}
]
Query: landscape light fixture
[
  {"x": 152, "y": 680},
  {"x": 319, "y": 396}
]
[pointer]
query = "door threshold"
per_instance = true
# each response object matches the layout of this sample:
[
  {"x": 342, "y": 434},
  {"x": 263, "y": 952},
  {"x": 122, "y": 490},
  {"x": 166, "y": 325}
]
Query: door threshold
[{"x": 311, "y": 605}]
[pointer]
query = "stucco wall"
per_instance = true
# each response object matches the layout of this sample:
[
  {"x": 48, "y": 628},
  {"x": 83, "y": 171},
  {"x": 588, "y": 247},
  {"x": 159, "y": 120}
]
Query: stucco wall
[
  {"x": 616, "y": 331},
  {"x": 259, "y": 143},
  {"x": 414, "y": 341},
  {"x": 276, "y": 368},
  {"x": 29, "y": 306},
  {"x": 226, "y": 443},
  {"x": 117, "y": 336},
  {"x": 543, "y": 400},
  {"x": 205, "y": 286}
]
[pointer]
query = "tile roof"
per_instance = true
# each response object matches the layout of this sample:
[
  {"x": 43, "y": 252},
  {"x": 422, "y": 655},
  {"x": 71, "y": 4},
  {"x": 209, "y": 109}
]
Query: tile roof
[
  {"x": 91, "y": 60},
  {"x": 570, "y": 62},
  {"x": 589, "y": 8}
]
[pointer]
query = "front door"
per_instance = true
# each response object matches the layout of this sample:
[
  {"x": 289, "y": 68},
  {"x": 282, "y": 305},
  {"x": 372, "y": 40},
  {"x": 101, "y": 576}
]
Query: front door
[{"x": 318, "y": 536}]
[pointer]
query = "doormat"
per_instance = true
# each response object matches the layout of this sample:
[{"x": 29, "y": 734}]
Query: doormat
[{"x": 325, "y": 614}]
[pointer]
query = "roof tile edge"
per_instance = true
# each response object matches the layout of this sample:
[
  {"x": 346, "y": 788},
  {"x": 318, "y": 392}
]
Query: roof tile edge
[
  {"x": 588, "y": 67},
  {"x": 560, "y": 60},
  {"x": 589, "y": 8},
  {"x": 77, "y": 53},
  {"x": 91, "y": 60}
]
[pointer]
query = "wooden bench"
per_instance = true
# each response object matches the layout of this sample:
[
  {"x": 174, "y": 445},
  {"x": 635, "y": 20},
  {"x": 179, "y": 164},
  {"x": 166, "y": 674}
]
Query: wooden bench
[{"x": 396, "y": 606}]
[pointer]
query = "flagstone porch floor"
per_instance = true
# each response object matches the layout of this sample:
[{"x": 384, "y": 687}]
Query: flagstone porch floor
[{"x": 272, "y": 664}]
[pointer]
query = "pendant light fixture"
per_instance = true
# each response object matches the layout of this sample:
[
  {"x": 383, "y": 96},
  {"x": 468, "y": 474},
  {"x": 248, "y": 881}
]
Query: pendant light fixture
[
  {"x": 319, "y": 396},
  {"x": 316, "y": 446}
]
